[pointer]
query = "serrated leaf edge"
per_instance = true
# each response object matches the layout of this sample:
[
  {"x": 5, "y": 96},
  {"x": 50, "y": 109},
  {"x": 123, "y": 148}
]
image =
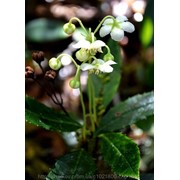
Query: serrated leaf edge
[
  {"x": 105, "y": 137},
  {"x": 99, "y": 130}
]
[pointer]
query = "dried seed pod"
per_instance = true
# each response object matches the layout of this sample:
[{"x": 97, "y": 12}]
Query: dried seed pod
[
  {"x": 50, "y": 75},
  {"x": 29, "y": 72},
  {"x": 38, "y": 56}
]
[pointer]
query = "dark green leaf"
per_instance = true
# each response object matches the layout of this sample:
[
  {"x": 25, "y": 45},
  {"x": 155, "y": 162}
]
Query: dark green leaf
[
  {"x": 146, "y": 124},
  {"x": 38, "y": 114},
  {"x": 106, "y": 84},
  {"x": 44, "y": 30},
  {"x": 76, "y": 165},
  {"x": 121, "y": 153},
  {"x": 136, "y": 108}
]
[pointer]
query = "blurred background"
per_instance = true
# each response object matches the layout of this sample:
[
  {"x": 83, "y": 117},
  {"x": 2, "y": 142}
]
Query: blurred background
[{"x": 44, "y": 20}]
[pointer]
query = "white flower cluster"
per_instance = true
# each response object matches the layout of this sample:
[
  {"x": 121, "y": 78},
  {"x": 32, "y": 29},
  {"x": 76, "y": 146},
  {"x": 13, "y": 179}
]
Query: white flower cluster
[
  {"x": 89, "y": 46},
  {"x": 98, "y": 65},
  {"x": 116, "y": 28}
]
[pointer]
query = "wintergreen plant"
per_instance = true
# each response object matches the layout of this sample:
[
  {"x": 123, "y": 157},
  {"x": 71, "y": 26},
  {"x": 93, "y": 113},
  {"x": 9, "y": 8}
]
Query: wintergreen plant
[{"x": 99, "y": 135}]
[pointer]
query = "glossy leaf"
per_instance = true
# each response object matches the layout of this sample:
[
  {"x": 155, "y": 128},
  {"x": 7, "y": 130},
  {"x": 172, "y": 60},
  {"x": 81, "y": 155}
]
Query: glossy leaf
[
  {"x": 125, "y": 113},
  {"x": 76, "y": 165},
  {"x": 106, "y": 84},
  {"x": 121, "y": 153},
  {"x": 40, "y": 115},
  {"x": 146, "y": 124}
]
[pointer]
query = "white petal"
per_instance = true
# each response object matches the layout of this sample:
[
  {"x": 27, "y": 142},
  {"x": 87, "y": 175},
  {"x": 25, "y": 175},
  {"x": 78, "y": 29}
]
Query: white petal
[
  {"x": 100, "y": 61},
  {"x": 117, "y": 34},
  {"x": 121, "y": 19},
  {"x": 98, "y": 44},
  {"x": 110, "y": 62},
  {"x": 105, "y": 30},
  {"x": 82, "y": 44},
  {"x": 127, "y": 26},
  {"x": 94, "y": 62},
  {"x": 108, "y": 21},
  {"x": 78, "y": 35},
  {"x": 105, "y": 68},
  {"x": 97, "y": 62},
  {"x": 86, "y": 66}
]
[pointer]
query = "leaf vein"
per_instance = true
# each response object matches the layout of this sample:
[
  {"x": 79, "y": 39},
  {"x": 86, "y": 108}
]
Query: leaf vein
[
  {"x": 123, "y": 114},
  {"x": 118, "y": 152}
]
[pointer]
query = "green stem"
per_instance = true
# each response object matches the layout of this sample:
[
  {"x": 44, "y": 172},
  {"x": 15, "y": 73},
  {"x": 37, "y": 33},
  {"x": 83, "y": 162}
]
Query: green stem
[
  {"x": 84, "y": 114},
  {"x": 77, "y": 66},
  {"x": 93, "y": 57},
  {"x": 108, "y": 49},
  {"x": 92, "y": 37},
  {"x": 90, "y": 102},
  {"x": 109, "y": 16},
  {"x": 79, "y": 21},
  {"x": 78, "y": 71},
  {"x": 93, "y": 101}
]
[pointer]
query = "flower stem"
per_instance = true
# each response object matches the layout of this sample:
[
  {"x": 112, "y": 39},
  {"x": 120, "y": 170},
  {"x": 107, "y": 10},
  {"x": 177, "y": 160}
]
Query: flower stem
[
  {"x": 79, "y": 21},
  {"x": 90, "y": 96},
  {"x": 92, "y": 103},
  {"x": 70, "y": 58},
  {"x": 84, "y": 114},
  {"x": 97, "y": 28},
  {"x": 108, "y": 49},
  {"x": 41, "y": 68}
]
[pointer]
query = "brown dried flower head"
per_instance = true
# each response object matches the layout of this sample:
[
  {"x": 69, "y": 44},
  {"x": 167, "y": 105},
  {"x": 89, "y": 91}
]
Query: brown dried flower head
[
  {"x": 38, "y": 56},
  {"x": 50, "y": 75},
  {"x": 29, "y": 72}
]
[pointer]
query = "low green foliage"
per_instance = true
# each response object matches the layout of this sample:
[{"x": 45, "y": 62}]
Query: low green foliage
[
  {"x": 75, "y": 165},
  {"x": 125, "y": 113},
  {"x": 40, "y": 115},
  {"x": 121, "y": 153}
]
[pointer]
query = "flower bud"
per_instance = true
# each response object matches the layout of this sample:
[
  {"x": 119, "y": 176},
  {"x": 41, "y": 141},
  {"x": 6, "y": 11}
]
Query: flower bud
[
  {"x": 74, "y": 84},
  {"x": 108, "y": 57},
  {"x": 69, "y": 28},
  {"x": 82, "y": 55},
  {"x": 55, "y": 63}
]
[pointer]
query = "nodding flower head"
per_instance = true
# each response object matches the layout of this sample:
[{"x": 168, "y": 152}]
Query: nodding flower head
[
  {"x": 74, "y": 83},
  {"x": 98, "y": 66},
  {"x": 116, "y": 27},
  {"x": 55, "y": 63},
  {"x": 108, "y": 57},
  {"x": 82, "y": 55},
  {"x": 69, "y": 28}
]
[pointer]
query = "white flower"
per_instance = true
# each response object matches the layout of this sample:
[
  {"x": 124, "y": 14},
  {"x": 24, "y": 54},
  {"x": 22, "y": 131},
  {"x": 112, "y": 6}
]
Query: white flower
[
  {"x": 116, "y": 28},
  {"x": 94, "y": 46},
  {"x": 98, "y": 65}
]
